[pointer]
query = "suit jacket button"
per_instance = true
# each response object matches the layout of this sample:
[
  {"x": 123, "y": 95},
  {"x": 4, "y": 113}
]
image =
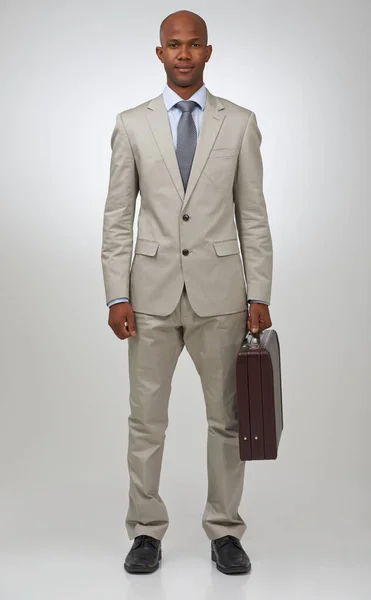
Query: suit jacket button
[
  {"x": 185, "y": 252},
  {"x": 185, "y": 217}
]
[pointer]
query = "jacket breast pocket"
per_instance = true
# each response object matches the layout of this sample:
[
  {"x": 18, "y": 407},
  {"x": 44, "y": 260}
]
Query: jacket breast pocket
[
  {"x": 226, "y": 247},
  {"x": 146, "y": 247},
  {"x": 223, "y": 152},
  {"x": 220, "y": 167}
]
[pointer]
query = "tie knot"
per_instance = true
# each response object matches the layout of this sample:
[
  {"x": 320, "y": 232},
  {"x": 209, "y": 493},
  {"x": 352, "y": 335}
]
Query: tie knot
[{"x": 186, "y": 105}]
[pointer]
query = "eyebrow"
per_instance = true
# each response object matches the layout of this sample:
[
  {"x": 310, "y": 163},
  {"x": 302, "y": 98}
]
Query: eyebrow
[{"x": 191, "y": 40}]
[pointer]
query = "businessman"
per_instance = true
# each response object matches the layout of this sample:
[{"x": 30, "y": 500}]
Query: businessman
[{"x": 201, "y": 277}]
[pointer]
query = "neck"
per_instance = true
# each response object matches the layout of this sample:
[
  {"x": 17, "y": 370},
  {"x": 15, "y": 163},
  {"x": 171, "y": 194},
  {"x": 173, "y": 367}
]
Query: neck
[{"x": 185, "y": 92}]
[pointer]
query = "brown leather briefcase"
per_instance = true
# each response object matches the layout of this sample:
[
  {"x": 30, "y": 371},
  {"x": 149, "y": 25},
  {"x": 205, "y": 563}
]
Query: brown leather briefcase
[{"x": 259, "y": 396}]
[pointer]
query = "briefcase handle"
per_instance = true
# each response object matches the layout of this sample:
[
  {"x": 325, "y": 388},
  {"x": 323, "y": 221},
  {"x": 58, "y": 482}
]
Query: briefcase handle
[{"x": 252, "y": 340}]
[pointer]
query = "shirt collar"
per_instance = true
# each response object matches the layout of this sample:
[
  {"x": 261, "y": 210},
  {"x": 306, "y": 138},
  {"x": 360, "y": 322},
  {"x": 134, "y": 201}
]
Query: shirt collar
[{"x": 171, "y": 97}]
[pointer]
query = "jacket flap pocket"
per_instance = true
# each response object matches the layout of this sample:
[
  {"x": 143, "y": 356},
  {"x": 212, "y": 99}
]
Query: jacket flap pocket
[
  {"x": 226, "y": 247},
  {"x": 147, "y": 247}
]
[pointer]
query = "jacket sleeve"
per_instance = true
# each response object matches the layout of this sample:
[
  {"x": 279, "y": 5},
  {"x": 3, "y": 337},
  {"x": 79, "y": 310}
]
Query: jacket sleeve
[
  {"x": 251, "y": 215},
  {"x": 119, "y": 211}
]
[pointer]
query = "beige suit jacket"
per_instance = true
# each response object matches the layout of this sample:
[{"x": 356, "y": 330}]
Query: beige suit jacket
[{"x": 193, "y": 237}]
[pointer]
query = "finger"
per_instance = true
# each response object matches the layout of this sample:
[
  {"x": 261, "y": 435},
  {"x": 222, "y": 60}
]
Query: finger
[
  {"x": 122, "y": 331},
  {"x": 254, "y": 323},
  {"x": 131, "y": 324},
  {"x": 265, "y": 324},
  {"x": 118, "y": 329},
  {"x": 125, "y": 330}
]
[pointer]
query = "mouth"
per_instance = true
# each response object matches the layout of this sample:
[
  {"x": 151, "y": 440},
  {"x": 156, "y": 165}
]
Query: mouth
[{"x": 184, "y": 69}]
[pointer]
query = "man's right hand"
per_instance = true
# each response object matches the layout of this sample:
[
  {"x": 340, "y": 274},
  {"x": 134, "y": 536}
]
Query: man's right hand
[{"x": 119, "y": 314}]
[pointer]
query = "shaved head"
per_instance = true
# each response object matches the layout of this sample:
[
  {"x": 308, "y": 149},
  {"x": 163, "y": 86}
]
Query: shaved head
[
  {"x": 184, "y": 51},
  {"x": 170, "y": 23}
]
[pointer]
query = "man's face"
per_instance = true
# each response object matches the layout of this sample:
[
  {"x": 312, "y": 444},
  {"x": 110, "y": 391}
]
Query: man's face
[{"x": 184, "y": 52}]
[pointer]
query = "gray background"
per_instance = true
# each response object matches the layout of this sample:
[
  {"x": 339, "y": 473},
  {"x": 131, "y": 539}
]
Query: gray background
[{"x": 67, "y": 69}]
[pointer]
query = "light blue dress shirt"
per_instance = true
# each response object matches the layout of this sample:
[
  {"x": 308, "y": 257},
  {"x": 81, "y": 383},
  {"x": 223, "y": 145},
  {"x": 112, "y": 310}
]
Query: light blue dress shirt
[{"x": 170, "y": 98}]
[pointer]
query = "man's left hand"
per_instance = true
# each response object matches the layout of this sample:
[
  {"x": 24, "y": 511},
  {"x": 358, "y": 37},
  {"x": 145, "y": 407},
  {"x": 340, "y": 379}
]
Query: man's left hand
[{"x": 259, "y": 317}]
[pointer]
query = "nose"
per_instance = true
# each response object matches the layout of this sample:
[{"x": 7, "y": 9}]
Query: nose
[{"x": 184, "y": 53}]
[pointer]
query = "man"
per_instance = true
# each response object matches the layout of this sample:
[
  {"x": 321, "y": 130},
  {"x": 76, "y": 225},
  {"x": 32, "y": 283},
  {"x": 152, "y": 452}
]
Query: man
[{"x": 195, "y": 158}]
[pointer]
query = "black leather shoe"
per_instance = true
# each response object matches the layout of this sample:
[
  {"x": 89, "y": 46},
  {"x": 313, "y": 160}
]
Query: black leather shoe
[
  {"x": 144, "y": 555},
  {"x": 229, "y": 555}
]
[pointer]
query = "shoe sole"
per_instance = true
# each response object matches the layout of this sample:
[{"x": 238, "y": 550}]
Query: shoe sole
[
  {"x": 144, "y": 569},
  {"x": 231, "y": 570}
]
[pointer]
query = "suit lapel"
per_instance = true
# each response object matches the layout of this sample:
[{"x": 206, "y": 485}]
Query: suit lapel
[
  {"x": 211, "y": 122},
  {"x": 159, "y": 122}
]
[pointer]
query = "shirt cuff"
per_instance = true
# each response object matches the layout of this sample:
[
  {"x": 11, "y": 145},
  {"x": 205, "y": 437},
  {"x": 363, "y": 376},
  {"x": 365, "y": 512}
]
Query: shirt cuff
[
  {"x": 116, "y": 301},
  {"x": 259, "y": 302}
]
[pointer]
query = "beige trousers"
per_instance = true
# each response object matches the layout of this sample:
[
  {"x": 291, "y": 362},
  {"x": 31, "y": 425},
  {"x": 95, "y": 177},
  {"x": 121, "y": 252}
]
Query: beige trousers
[{"x": 213, "y": 344}]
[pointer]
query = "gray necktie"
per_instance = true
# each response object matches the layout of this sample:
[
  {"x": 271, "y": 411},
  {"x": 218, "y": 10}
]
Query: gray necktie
[{"x": 186, "y": 139}]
